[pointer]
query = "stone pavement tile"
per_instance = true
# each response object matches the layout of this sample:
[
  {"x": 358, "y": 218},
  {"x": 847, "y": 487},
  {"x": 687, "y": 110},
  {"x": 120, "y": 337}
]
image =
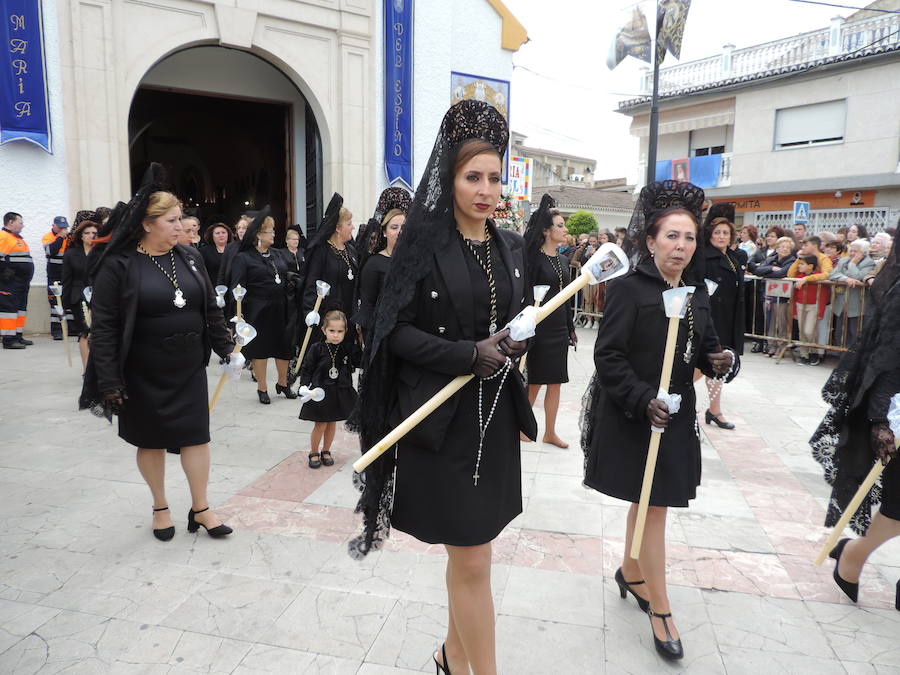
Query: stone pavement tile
[
  {"x": 862, "y": 635},
  {"x": 292, "y": 480},
  {"x": 336, "y": 623},
  {"x": 376, "y": 669},
  {"x": 379, "y": 573},
  {"x": 264, "y": 658},
  {"x": 33, "y": 573},
  {"x": 409, "y": 637},
  {"x": 338, "y": 488},
  {"x": 629, "y": 636},
  {"x": 18, "y": 619},
  {"x": 560, "y": 597},
  {"x": 535, "y": 646},
  {"x": 555, "y": 514},
  {"x": 427, "y": 584},
  {"x": 856, "y": 668},
  {"x": 765, "y": 625},
  {"x": 563, "y": 463},
  {"x": 166, "y": 650},
  {"x": 754, "y": 573},
  {"x": 559, "y": 551},
  {"x": 816, "y": 583},
  {"x": 262, "y": 448},
  {"x": 680, "y": 569},
  {"x": 721, "y": 498},
  {"x": 794, "y": 506},
  {"x": 752, "y": 661},
  {"x": 234, "y": 606},
  {"x": 792, "y": 538},
  {"x": 295, "y": 519},
  {"x": 727, "y": 533}
]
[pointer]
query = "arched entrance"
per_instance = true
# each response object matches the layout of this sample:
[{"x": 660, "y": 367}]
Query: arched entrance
[{"x": 234, "y": 134}]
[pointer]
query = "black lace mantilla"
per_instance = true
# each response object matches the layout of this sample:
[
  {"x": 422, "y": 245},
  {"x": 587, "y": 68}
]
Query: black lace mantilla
[{"x": 540, "y": 220}]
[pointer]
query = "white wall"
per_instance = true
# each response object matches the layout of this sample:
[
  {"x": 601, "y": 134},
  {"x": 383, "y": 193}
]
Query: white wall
[
  {"x": 33, "y": 182},
  {"x": 455, "y": 35},
  {"x": 237, "y": 73},
  {"x": 870, "y": 141}
]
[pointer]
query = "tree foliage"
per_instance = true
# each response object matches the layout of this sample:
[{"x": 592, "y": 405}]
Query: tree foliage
[{"x": 581, "y": 222}]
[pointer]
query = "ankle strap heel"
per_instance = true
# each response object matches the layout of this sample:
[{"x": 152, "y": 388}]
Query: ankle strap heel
[
  {"x": 670, "y": 648},
  {"x": 166, "y": 533}
]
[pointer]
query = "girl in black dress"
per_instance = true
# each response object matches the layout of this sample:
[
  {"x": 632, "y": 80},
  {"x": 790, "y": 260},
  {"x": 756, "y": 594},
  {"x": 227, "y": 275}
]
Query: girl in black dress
[
  {"x": 263, "y": 271},
  {"x": 855, "y": 432},
  {"x": 724, "y": 266},
  {"x": 75, "y": 280},
  {"x": 622, "y": 403},
  {"x": 329, "y": 364},
  {"x": 155, "y": 322},
  {"x": 375, "y": 269},
  {"x": 330, "y": 259},
  {"x": 217, "y": 238},
  {"x": 455, "y": 281},
  {"x": 548, "y": 355}
]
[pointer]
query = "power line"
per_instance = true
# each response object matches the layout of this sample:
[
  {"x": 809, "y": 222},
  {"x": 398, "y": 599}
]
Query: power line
[{"x": 858, "y": 9}]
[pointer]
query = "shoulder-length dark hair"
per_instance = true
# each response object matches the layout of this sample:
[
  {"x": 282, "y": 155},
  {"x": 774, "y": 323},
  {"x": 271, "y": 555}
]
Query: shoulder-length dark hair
[
  {"x": 208, "y": 235},
  {"x": 712, "y": 225},
  {"x": 75, "y": 235}
]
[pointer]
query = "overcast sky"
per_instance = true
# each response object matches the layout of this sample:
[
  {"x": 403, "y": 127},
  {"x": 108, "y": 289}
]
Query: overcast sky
[{"x": 569, "y": 105}]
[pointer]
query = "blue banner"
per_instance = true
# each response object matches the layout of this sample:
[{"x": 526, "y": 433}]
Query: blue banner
[
  {"x": 701, "y": 171},
  {"x": 398, "y": 120},
  {"x": 24, "y": 110}
]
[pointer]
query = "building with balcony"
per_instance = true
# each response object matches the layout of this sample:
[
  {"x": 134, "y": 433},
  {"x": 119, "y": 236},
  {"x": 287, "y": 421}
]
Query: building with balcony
[
  {"x": 549, "y": 167},
  {"x": 812, "y": 117}
]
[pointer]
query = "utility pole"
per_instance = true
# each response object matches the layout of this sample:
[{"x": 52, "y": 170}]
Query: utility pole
[{"x": 654, "y": 106}]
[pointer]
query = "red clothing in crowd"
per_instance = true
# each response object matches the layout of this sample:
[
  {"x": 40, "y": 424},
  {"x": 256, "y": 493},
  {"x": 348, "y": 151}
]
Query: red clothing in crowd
[{"x": 809, "y": 292}]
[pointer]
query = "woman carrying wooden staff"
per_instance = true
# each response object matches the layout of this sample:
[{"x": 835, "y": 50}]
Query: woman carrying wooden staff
[
  {"x": 623, "y": 400},
  {"x": 549, "y": 352},
  {"x": 454, "y": 281},
  {"x": 855, "y": 434}
]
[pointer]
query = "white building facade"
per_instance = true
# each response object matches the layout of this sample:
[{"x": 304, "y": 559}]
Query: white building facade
[{"x": 126, "y": 76}]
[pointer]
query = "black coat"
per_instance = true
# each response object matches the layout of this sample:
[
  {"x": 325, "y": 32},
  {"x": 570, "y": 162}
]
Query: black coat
[
  {"x": 74, "y": 277},
  {"x": 114, "y": 307},
  {"x": 213, "y": 261},
  {"x": 727, "y": 302},
  {"x": 322, "y": 264},
  {"x": 628, "y": 356}
]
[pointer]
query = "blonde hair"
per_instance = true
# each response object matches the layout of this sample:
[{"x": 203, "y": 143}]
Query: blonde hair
[
  {"x": 785, "y": 240},
  {"x": 160, "y": 202},
  {"x": 390, "y": 215},
  {"x": 344, "y": 214},
  {"x": 334, "y": 315}
]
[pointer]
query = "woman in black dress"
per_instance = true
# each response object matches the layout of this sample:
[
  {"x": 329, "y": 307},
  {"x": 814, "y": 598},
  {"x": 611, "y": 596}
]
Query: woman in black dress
[
  {"x": 622, "y": 401},
  {"x": 292, "y": 251},
  {"x": 75, "y": 280},
  {"x": 375, "y": 268},
  {"x": 549, "y": 352},
  {"x": 155, "y": 322},
  {"x": 725, "y": 267},
  {"x": 263, "y": 271},
  {"x": 854, "y": 433},
  {"x": 217, "y": 238},
  {"x": 454, "y": 283}
]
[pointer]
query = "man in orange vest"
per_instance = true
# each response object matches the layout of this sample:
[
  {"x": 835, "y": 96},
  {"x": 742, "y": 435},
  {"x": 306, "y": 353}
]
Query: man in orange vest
[
  {"x": 16, "y": 271},
  {"x": 55, "y": 243}
]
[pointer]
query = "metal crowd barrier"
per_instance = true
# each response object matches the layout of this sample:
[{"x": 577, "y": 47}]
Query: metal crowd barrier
[
  {"x": 775, "y": 318},
  {"x": 581, "y": 308}
]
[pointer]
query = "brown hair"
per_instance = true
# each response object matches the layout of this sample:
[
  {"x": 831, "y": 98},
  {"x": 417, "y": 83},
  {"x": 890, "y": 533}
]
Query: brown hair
[
  {"x": 653, "y": 229},
  {"x": 711, "y": 227},
  {"x": 160, "y": 202},
  {"x": 75, "y": 235},
  {"x": 334, "y": 315},
  {"x": 471, "y": 149},
  {"x": 393, "y": 213},
  {"x": 777, "y": 230},
  {"x": 208, "y": 235},
  {"x": 752, "y": 231}
]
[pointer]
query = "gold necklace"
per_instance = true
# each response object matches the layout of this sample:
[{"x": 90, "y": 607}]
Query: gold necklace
[
  {"x": 488, "y": 266},
  {"x": 343, "y": 255},
  {"x": 557, "y": 267}
]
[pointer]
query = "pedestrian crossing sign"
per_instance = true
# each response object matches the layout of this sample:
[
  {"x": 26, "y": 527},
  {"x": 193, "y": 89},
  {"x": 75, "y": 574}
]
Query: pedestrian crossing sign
[{"x": 801, "y": 212}]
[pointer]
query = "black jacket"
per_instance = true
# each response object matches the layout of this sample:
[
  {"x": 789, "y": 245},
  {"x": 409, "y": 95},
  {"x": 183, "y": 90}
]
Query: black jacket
[
  {"x": 114, "y": 307},
  {"x": 727, "y": 303},
  {"x": 74, "y": 276},
  {"x": 433, "y": 338}
]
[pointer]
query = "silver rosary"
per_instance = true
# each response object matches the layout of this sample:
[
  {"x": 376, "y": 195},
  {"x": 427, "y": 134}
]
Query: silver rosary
[{"x": 482, "y": 423}]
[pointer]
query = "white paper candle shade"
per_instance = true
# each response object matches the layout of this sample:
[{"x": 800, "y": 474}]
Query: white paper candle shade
[
  {"x": 244, "y": 333},
  {"x": 711, "y": 287},
  {"x": 322, "y": 288},
  {"x": 88, "y": 293},
  {"x": 894, "y": 416},
  {"x": 540, "y": 292},
  {"x": 607, "y": 263},
  {"x": 57, "y": 289},
  {"x": 676, "y": 301},
  {"x": 239, "y": 292}
]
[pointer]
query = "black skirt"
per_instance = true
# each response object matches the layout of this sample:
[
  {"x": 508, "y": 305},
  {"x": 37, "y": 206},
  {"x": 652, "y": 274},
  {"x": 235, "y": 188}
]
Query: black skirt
[
  {"x": 548, "y": 355},
  {"x": 335, "y": 407}
]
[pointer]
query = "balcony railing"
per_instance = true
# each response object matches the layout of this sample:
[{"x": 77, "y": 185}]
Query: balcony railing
[{"x": 839, "y": 39}]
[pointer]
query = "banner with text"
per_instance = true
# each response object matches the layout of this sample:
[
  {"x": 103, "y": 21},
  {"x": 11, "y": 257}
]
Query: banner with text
[
  {"x": 398, "y": 120},
  {"x": 520, "y": 178},
  {"x": 24, "y": 101}
]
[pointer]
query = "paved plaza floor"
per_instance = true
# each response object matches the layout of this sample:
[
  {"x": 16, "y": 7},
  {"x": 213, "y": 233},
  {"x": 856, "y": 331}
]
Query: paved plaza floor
[{"x": 85, "y": 588}]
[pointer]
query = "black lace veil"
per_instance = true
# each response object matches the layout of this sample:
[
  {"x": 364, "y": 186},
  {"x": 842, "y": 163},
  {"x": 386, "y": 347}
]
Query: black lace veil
[
  {"x": 538, "y": 223},
  {"x": 369, "y": 239},
  {"x": 328, "y": 225},
  {"x": 428, "y": 228},
  {"x": 845, "y": 455},
  {"x": 249, "y": 239}
]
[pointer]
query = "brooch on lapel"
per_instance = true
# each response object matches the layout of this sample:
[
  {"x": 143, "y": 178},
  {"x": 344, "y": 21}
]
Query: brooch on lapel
[{"x": 517, "y": 272}]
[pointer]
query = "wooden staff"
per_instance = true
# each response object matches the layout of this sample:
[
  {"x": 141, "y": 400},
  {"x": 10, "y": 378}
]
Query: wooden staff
[
  {"x": 239, "y": 292},
  {"x": 321, "y": 291},
  {"x": 87, "y": 314},
  {"x": 674, "y": 314},
  {"x": 245, "y": 332},
  {"x": 57, "y": 291},
  {"x": 607, "y": 263},
  {"x": 540, "y": 292},
  {"x": 861, "y": 493}
]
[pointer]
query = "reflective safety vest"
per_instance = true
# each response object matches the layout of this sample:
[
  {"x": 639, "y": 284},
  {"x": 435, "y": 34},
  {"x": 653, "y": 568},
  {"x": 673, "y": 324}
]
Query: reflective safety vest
[
  {"x": 54, "y": 248},
  {"x": 15, "y": 254}
]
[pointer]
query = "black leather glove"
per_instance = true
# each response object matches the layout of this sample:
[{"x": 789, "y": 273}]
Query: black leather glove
[
  {"x": 513, "y": 349},
  {"x": 114, "y": 401},
  {"x": 489, "y": 357},
  {"x": 573, "y": 340},
  {"x": 721, "y": 361},
  {"x": 883, "y": 444},
  {"x": 658, "y": 413}
]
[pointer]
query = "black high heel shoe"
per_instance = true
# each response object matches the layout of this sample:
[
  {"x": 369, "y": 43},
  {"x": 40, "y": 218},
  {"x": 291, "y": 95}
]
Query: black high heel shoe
[
  {"x": 897, "y": 597},
  {"x": 438, "y": 668},
  {"x": 625, "y": 588},
  {"x": 194, "y": 525},
  {"x": 166, "y": 533},
  {"x": 710, "y": 418},
  {"x": 263, "y": 397},
  {"x": 670, "y": 648},
  {"x": 850, "y": 590},
  {"x": 284, "y": 390}
]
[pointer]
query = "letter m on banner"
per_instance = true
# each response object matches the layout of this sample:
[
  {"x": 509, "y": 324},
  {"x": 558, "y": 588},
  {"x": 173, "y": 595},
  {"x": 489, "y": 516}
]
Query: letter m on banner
[{"x": 398, "y": 104}]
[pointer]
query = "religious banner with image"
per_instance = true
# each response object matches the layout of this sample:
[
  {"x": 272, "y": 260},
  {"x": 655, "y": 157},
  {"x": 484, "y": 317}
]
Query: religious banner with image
[
  {"x": 494, "y": 92},
  {"x": 24, "y": 100},
  {"x": 398, "y": 111}
]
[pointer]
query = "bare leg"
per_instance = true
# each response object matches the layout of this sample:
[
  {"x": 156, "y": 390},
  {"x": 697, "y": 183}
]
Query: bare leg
[
  {"x": 282, "y": 367},
  {"x": 653, "y": 566},
  {"x": 533, "y": 390},
  {"x": 473, "y": 605},
  {"x": 330, "y": 428},
  {"x": 857, "y": 551},
  {"x": 315, "y": 437},
  {"x": 456, "y": 654},
  {"x": 630, "y": 568},
  {"x": 259, "y": 372},
  {"x": 195, "y": 462},
  {"x": 152, "y": 465},
  {"x": 84, "y": 348},
  {"x": 551, "y": 408}
]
